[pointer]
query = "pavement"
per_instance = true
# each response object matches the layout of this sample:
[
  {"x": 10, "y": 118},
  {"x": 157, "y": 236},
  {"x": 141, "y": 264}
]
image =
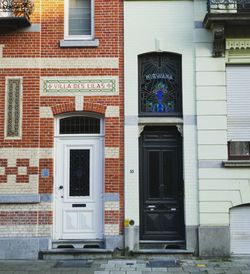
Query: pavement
[{"x": 157, "y": 265}]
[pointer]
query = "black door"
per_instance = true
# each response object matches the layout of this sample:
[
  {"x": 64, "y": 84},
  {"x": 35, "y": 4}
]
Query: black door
[{"x": 161, "y": 185}]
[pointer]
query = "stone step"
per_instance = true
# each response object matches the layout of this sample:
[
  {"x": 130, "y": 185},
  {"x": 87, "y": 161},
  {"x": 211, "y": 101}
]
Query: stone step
[
  {"x": 168, "y": 245},
  {"x": 75, "y": 253},
  {"x": 78, "y": 244},
  {"x": 152, "y": 253}
]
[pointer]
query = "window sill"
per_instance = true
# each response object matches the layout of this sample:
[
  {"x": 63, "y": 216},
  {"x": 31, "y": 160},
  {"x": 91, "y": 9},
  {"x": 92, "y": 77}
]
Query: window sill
[
  {"x": 236, "y": 163},
  {"x": 79, "y": 43},
  {"x": 160, "y": 120},
  {"x": 20, "y": 199}
]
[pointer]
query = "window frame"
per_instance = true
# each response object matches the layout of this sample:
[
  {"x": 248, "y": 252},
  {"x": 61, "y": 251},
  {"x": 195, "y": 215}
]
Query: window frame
[
  {"x": 76, "y": 114},
  {"x": 237, "y": 156},
  {"x": 179, "y": 108},
  {"x": 66, "y": 24}
]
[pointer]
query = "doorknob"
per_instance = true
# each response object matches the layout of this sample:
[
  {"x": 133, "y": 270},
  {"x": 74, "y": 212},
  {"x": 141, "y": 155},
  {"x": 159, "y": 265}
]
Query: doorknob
[
  {"x": 151, "y": 207},
  {"x": 60, "y": 187}
]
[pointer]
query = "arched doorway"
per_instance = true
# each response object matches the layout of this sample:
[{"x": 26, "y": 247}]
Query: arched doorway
[{"x": 78, "y": 177}]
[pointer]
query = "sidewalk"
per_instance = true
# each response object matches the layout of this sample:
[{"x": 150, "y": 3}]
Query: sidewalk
[{"x": 166, "y": 264}]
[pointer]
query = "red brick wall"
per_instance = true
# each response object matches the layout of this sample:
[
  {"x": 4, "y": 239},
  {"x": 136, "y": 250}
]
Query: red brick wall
[{"x": 37, "y": 132}]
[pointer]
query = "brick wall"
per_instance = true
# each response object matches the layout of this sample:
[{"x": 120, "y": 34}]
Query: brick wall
[{"x": 35, "y": 54}]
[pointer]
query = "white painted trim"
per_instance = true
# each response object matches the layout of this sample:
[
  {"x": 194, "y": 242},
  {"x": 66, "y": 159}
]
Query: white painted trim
[
  {"x": 86, "y": 114},
  {"x": 1, "y": 50},
  {"x": 79, "y": 103},
  {"x": 237, "y": 43},
  {"x": 6, "y": 108},
  {"x": 45, "y": 112},
  {"x": 94, "y": 200},
  {"x": 66, "y": 24}
]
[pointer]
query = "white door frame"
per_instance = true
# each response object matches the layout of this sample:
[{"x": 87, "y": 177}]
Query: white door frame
[{"x": 63, "y": 144}]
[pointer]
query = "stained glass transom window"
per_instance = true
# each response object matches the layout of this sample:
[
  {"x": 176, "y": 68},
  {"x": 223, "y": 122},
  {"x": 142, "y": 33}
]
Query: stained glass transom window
[
  {"x": 160, "y": 84},
  {"x": 80, "y": 125},
  {"x": 13, "y": 111}
]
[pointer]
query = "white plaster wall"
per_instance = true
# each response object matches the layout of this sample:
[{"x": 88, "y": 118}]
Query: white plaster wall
[
  {"x": 220, "y": 188},
  {"x": 165, "y": 26}
]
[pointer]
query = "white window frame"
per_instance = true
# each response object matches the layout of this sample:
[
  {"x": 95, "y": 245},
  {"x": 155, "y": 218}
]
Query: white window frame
[
  {"x": 76, "y": 114},
  {"x": 66, "y": 24}
]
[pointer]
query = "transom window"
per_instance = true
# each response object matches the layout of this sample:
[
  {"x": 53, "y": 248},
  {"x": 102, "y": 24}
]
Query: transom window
[
  {"x": 79, "y": 19},
  {"x": 79, "y": 125},
  {"x": 160, "y": 84}
]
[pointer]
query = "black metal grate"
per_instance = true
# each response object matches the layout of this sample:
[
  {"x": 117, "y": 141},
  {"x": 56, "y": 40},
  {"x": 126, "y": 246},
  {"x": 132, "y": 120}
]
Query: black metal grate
[
  {"x": 240, "y": 6},
  {"x": 16, "y": 8},
  {"x": 80, "y": 125}
]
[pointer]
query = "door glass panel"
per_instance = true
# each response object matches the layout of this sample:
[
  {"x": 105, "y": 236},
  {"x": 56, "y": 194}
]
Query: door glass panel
[
  {"x": 167, "y": 174},
  {"x": 153, "y": 174},
  {"x": 79, "y": 172}
]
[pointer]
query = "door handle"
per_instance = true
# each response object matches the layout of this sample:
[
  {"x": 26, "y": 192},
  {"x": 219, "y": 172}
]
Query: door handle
[
  {"x": 151, "y": 207},
  {"x": 60, "y": 187}
]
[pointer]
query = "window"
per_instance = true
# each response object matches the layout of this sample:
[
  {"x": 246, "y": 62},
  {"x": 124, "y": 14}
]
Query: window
[
  {"x": 239, "y": 150},
  {"x": 160, "y": 84},
  {"x": 238, "y": 111},
  {"x": 79, "y": 125},
  {"x": 79, "y": 19}
]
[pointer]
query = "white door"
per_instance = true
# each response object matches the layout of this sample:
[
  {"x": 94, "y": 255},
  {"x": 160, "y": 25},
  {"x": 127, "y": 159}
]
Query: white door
[
  {"x": 78, "y": 171},
  {"x": 240, "y": 230}
]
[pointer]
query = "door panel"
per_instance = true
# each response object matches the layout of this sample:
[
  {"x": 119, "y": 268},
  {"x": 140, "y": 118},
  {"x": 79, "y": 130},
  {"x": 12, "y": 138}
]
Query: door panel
[
  {"x": 78, "y": 189},
  {"x": 79, "y": 172},
  {"x": 161, "y": 187}
]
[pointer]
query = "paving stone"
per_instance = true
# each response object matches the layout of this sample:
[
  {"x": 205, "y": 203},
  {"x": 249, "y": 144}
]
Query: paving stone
[
  {"x": 160, "y": 272},
  {"x": 133, "y": 272},
  {"x": 159, "y": 269},
  {"x": 128, "y": 268}
]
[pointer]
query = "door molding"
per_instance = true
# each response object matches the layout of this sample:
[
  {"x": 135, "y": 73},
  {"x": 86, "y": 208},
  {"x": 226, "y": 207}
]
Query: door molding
[
  {"x": 164, "y": 144},
  {"x": 64, "y": 143}
]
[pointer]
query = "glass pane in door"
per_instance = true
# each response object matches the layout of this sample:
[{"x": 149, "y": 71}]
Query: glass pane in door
[
  {"x": 79, "y": 172},
  {"x": 153, "y": 174}
]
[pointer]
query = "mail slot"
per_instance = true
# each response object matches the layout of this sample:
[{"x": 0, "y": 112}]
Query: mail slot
[{"x": 78, "y": 205}]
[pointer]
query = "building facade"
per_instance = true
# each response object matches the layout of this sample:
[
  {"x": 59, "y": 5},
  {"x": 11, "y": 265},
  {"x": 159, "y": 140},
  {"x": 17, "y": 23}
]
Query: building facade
[
  {"x": 61, "y": 137},
  {"x": 187, "y": 125},
  {"x": 130, "y": 113}
]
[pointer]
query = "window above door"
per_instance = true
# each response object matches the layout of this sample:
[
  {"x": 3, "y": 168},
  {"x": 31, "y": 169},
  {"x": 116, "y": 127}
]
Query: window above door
[
  {"x": 160, "y": 84},
  {"x": 76, "y": 124}
]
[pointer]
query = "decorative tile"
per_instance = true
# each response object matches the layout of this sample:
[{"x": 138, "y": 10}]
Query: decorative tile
[
  {"x": 22, "y": 170},
  {"x": 112, "y": 152},
  {"x": 13, "y": 107},
  {"x": 2, "y": 170}
]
